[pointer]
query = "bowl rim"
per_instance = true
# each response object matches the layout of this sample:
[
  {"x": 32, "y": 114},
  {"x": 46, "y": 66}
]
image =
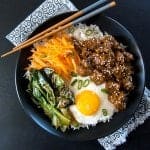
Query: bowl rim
[{"x": 42, "y": 125}]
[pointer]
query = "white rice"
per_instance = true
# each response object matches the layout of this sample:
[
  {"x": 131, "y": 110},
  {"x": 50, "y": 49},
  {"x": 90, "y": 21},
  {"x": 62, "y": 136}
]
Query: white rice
[{"x": 80, "y": 31}]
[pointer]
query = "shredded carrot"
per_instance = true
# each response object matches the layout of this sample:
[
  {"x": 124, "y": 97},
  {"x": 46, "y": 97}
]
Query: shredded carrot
[{"x": 58, "y": 53}]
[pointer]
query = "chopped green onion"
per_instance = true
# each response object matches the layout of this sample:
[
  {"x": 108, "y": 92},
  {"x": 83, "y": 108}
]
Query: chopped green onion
[
  {"x": 73, "y": 74},
  {"x": 86, "y": 82},
  {"x": 71, "y": 29},
  {"x": 104, "y": 111},
  {"x": 104, "y": 90},
  {"x": 80, "y": 82},
  {"x": 74, "y": 82},
  {"x": 88, "y": 32}
]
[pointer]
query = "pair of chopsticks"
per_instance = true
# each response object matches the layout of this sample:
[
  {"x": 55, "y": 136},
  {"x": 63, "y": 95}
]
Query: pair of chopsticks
[{"x": 64, "y": 24}]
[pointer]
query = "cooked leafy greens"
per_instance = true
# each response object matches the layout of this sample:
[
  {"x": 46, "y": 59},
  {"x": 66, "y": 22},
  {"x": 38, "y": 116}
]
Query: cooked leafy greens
[{"x": 49, "y": 92}]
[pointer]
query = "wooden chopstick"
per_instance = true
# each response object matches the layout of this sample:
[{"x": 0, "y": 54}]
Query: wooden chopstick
[
  {"x": 83, "y": 18},
  {"x": 70, "y": 18}
]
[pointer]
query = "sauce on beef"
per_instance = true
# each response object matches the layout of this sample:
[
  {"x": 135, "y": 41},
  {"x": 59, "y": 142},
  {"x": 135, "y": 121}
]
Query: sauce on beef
[{"x": 106, "y": 60}]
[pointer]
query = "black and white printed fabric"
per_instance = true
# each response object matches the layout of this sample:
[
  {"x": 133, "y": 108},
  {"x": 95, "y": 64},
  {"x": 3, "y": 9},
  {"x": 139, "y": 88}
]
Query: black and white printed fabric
[{"x": 45, "y": 11}]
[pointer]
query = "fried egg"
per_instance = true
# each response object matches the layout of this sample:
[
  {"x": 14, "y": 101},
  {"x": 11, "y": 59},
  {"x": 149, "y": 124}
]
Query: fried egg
[{"x": 91, "y": 102}]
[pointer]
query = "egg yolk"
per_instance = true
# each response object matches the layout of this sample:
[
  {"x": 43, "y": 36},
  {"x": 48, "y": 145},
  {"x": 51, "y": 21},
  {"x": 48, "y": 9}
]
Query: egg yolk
[{"x": 87, "y": 102}]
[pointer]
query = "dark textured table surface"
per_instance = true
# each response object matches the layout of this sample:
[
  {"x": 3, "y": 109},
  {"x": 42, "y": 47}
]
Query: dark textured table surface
[{"x": 17, "y": 130}]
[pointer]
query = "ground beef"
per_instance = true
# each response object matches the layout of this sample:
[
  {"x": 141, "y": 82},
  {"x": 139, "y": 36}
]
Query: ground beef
[
  {"x": 106, "y": 60},
  {"x": 97, "y": 77}
]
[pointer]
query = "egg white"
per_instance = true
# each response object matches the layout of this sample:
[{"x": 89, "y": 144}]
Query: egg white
[{"x": 104, "y": 104}]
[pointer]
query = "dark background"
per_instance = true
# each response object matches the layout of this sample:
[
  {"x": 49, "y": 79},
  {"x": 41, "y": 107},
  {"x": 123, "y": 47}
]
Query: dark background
[{"x": 17, "y": 130}]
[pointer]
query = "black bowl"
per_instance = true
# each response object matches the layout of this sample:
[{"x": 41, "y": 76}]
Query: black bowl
[{"x": 101, "y": 129}]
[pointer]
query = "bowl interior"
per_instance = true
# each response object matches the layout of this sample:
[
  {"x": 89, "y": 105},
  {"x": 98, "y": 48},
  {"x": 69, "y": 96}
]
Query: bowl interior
[{"x": 102, "y": 129}]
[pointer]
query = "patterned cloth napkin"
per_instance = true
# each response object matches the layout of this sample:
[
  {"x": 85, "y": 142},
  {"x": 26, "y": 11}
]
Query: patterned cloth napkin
[
  {"x": 45, "y": 11},
  {"x": 51, "y": 8}
]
